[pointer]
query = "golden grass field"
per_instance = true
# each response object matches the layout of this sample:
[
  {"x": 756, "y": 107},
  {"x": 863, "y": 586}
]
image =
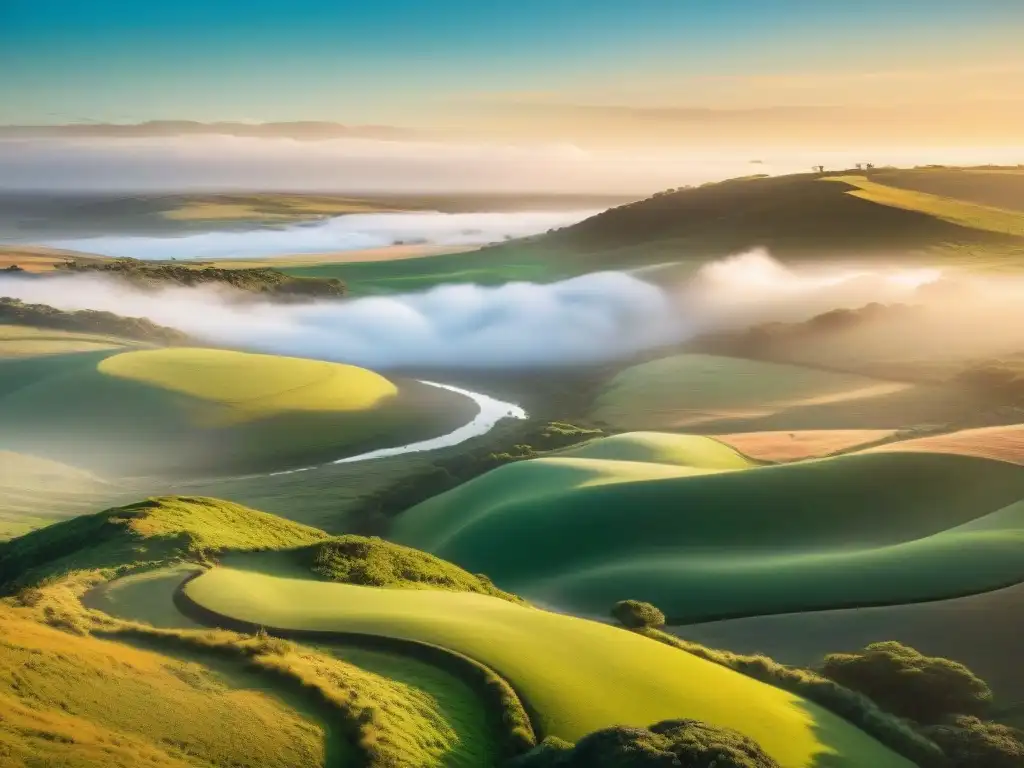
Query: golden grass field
[
  {"x": 783, "y": 446},
  {"x": 81, "y": 701},
  {"x": 26, "y": 341},
  {"x": 251, "y": 386},
  {"x": 1004, "y": 443}
]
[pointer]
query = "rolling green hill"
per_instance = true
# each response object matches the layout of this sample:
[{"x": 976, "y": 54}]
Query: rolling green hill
[
  {"x": 981, "y": 631},
  {"x": 799, "y": 216},
  {"x": 577, "y": 675},
  {"x": 379, "y": 707},
  {"x": 170, "y": 411},
  {"x": 715, "y": 393},
  {"x": 35, "y": 492},
  {"x": 708, "y": 539}
]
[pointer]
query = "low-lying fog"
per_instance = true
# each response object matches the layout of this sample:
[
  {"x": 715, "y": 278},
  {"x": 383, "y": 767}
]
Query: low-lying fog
[
  {"x": 590, "y": 318},
  {"x": 343, "y": 233}
]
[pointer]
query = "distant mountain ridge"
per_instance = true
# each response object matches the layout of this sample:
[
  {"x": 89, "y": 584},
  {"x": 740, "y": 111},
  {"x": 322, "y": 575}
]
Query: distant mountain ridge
[{"x": 304, "y": 129}]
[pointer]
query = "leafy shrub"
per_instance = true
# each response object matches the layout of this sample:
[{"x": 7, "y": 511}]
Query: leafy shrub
[
  {"x": 972, "y": 743},
  {"x": 373, "y": 562},
  {"x": 264, "y": 281},
  {"x": 850, "y": 705},
  {"x": 909, "y": 684},
  {"x": 635, "y": 614},
  {"x": 686, "y": 743}
]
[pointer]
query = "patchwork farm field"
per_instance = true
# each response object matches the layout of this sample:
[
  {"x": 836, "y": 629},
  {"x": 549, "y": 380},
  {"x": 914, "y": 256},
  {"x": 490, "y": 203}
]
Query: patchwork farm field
[
  {"x": 803, "y": 444},
  {"x": 1004, "y": 443}
]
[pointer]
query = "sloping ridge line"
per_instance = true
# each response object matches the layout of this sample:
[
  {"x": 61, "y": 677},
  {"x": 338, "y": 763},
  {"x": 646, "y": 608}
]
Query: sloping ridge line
[{"x": 483, "y": 680}]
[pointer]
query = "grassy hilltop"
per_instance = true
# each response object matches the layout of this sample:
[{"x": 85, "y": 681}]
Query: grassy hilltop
[
  {"x": 963, "y": 216},
  {"x": 207, "y": 411},
  {"x": 412, "y": 674},
  {"x": 711, "y": 535},
  {"x": 852, "y": 215}
]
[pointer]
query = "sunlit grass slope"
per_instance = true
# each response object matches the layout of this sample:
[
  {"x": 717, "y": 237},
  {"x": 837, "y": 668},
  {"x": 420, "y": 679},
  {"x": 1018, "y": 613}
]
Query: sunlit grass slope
[
  {"x": 396, "y": 709},
  {"x": 800, "y": 216},
  {"x": 578, "y": 675},
  {"x": 35, "y": 492},
  {"x": 213, "y": 411},
  {"x": 155, "y": 531},
  {"x": 26, "y": 341},
  {"x": 961, "y": 212},
  {"x": 79, "y": 701},
  {"x": 1002, "y": 443},
  {"x": 998, "y": 188},
  {"x": 707, "y": 540},
  {"x": 710, "y": 392},
  {"x": 253, "y": 386}
]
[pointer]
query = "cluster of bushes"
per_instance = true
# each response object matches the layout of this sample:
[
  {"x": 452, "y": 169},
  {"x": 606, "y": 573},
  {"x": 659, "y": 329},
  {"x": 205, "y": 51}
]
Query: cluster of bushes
[
  {"x": 925, "y": 708},
  {"x": 685, "y": 743},
  {"x": 901, "y": 680},
  {"x": 374, "y": 514},
  {"x": 373, "y": 562},
  {"x": 997, "y": 382},
  {"x": 263, "y": 281},
  {"x": 16, "y": 312}
]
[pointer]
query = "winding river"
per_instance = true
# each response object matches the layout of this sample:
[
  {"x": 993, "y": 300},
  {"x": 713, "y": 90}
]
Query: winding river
[{"x": 491, "y": 412}]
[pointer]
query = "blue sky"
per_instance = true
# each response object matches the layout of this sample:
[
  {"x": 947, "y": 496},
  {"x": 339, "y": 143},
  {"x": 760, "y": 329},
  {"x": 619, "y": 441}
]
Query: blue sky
[{"x": 417, "y": 61}]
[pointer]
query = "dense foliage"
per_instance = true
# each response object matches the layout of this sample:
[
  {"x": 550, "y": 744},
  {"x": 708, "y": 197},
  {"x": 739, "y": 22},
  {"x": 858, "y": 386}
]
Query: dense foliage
[
  {"x": 850, "y": 705},
  {"x": 909, "y": 684},
  {"x": 16, "y": 312},
  {"x": 374, "y": 515},
  {"x": 972, "y": 743},
  {"x": 997, "y": 382},
  {"x": 635, "y": 614},
  {"x": 374, "y": 562},
  {"x": 263, "y": 281},
  {"x": 684, "y": 743}
]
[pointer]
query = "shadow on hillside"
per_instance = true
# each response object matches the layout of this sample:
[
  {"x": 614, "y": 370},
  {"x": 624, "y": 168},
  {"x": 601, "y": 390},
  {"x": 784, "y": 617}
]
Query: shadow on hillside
[{"x": 843, "y": 745}]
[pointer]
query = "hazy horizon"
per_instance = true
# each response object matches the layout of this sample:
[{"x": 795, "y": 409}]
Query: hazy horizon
[{"x": 368, "y": 166}]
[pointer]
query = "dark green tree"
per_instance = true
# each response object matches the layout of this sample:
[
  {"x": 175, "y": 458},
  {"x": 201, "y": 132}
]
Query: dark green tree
[
  {"x": 972, "y": 743},
  {"x": 635, "y": 614},
  {"x": 669, "y": 744},
  {"x": 905, "y": 682}
]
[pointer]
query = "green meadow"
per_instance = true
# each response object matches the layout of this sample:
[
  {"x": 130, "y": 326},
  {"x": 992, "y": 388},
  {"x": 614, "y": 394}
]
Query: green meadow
[
  {"x": 171, "y": 596},
  {"x": 195, "y": 411},
  {"x": 711, "y": 535},
  {"x": 578, "y": 675}
]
